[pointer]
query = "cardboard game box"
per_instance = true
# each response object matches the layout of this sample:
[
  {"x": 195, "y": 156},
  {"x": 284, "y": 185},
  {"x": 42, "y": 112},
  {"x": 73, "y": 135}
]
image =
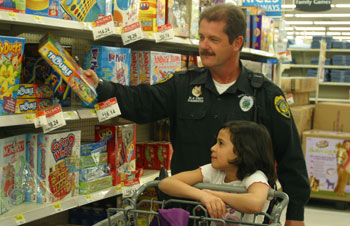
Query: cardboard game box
[
  {"x": 125, "y": 12},
  {"x": 17, "y": 6},
  {"x": 58, "y": 166},
  {"x": 152, "y": 14},
  {"x": 327, "y": 154},
  {"x": 12, "y": 165},
  {"x": 62, "y": 62},
  {"x": 48, "y": 8},
  {"x": 31, "y": 165},
  {"x": 11, "y": 53}
]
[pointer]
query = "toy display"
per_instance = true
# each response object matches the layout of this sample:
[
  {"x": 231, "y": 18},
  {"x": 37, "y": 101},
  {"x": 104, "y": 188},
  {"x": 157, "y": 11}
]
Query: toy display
[
  {"x": 48, "y": 8},
  {"x": 93, "y": 154},
  {"x": 125, "y": 12},
  {"x": 86, "y": 187},
  {"x": 65, "y": 66},
  {"x": 58, "y": 166},
  {"x": 32, "y": 105},
  {"x": 87, "y": 10},
  {"x": 110, "y": 63},
  {"x": 17, "y": 6},
  {"x": 179, "y": 16},
  {"x": 152, "y": 14},
  {"x": 34, "y": 91},
  {"x": 12, "y": 164},
  {"x": 11, "y": 52},
  {"x": 31, "y": 166}
]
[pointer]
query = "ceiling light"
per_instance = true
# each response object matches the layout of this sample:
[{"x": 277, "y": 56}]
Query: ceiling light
[
  {"x": 323, "y": 15},
  {"x": 341, "y": 37},
  {"x": 310, "y": 28},
  {"x": 303, "y": 37},
  {"x": 345, "y": 33},
  {"x": 341, "y": 5},
  {"x": 339, "y": 28},
  {"x": 331, "y": 22},
  {"x": 333, "y": 33},
  {"x": 299, "y": 22},
  {"x": 292, "y": 6},
  {"x": 288, "y": 15}
]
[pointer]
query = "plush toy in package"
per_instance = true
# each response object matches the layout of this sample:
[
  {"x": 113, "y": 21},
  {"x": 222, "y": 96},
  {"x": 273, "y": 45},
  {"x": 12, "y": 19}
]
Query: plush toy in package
[
  {"x": 12, "y": 179},
  {"x": 61, "y": 61},
  {"x": 58, "y": 166},
  {"x": 11, "y": 52}
]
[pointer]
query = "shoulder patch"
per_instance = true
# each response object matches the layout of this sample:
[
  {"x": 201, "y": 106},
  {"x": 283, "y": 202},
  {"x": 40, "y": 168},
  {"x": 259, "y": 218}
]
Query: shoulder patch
[
  {"x": 166, "y": 79},
  {"x": 282, "y": 106}
]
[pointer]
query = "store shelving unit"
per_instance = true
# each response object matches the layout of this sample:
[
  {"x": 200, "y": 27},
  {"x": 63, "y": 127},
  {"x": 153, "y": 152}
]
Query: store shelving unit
[
  {"x": 78, "y": 35},
  {"x": 328, "y": 91}
]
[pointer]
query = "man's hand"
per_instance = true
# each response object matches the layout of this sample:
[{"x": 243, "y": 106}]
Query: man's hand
[
  {"x": 91, "y": 75},
  {"x": 215, "y": 206},
  {"x": 294, "y": 223}
]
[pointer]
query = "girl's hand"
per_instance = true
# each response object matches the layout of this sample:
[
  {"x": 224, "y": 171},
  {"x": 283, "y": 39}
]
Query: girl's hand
[
  {"x": 91, "y": 75},
  {"x": 215, "y": 206}
]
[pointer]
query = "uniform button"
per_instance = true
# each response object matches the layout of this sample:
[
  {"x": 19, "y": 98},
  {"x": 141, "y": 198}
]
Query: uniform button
[
  {"x": 216, "y": 116},
  {"x": 219, "y": 98}
]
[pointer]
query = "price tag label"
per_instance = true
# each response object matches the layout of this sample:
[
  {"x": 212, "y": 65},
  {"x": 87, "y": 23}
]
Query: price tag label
[
  {"x": 12, "y": 16},
  {"x": 103, "y": 27},
  {"x": 89, "y": 198},
  {"x": 107, "y": 109},
  {"x": 128, "y": 191},
  {"x": 19, "y": 219},
  {"x": 132, "y": 33},
  {"x": 57, "y": 207},
  {"x": 38, "y": 19},
  {"x": 40, "y": 119},
  {"x": 54, "y": 118},
  {"x": 165, "y": 32}
]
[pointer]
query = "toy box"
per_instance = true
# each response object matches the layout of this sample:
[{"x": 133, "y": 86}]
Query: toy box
[
  {"x": 31, "y": 166},
  {"x": 37, "y": 71},
  {"x": 179, "y": 15},
  {"x": 12, "y": 165},
  {"x": 32, "y": 105},
  {"x": 48, "y": 8},
  {"x": 87, "y": 187},
  {"x": 93, "y": 154},
  {"x": 93, "y": 173},
  {"x": 65, "y": 66},
  {"x": 109, "y": 63},
  {"x": 17, "y": 6},
  {"x": 326, "y": 155},
  {"x": 28, "y": 91},
  {"x": 154, "y": 155},
  {"x": 261, "y": 26},
  {"x": 134, "y": 67},
  {"x": 11, "y": 52},
  {"x": 121, "y": 142},
  {"x": 87, "y": 11},
  {"x": 152, "y": 14},
  {"x": 125, "y": 12},
  {"x": 156, "y": 66},
  {"x": 58, "y": 166}
]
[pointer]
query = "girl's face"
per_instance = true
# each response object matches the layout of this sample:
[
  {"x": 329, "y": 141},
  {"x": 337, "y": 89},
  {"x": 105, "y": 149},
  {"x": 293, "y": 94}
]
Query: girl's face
[{"x": 222, "y": 152}]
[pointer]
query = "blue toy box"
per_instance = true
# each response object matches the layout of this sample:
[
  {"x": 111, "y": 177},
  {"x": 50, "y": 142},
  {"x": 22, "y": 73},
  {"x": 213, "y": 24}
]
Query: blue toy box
[{"x": 48, "y": 8}]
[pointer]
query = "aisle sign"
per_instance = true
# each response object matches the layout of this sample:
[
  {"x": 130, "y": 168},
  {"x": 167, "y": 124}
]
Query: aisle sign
[
  {"x": 312, "y": 5},
  {"x": 272, "y": 7},
  {"x": 107, "y": 109},
  {"x": 132, "y": 33},
  {"x": 165, "y": 32},
  {"x": 103, "y": 27},
  {"x": 55, "y": 119},
  {"x": 19, "y": 219}
]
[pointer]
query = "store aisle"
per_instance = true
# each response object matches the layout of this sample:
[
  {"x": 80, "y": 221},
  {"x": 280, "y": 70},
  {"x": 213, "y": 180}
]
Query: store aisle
[{"x": 324, "y": 213}]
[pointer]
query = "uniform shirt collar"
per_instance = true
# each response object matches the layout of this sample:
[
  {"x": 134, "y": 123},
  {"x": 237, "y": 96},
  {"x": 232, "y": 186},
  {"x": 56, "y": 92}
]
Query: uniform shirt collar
[{"x": 242, "y": 84}]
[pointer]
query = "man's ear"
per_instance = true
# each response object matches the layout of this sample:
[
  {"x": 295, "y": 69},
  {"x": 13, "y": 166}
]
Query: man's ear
[{"x": 238, "y": 42}]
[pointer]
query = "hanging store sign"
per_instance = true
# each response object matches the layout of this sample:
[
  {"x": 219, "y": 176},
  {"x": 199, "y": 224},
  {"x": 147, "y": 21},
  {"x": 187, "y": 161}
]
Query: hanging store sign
[
  {"x": 273, "y": 8},
  {"x": 313, "y": 5}
]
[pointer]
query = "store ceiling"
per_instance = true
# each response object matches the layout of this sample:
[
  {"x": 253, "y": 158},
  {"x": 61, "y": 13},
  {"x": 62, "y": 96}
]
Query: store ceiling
[{"x": 318, "y": 23}]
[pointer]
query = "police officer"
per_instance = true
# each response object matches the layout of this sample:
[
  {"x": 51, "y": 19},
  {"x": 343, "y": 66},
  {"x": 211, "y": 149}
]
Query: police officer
[{"x": 197, "y": 102}]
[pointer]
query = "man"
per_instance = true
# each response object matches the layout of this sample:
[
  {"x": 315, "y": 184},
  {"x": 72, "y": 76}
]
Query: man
[{"x": 197, "y": 102}]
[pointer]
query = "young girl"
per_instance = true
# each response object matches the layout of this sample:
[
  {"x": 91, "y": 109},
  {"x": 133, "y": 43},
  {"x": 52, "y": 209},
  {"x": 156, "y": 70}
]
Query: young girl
[{"x": 242, "y": 156}]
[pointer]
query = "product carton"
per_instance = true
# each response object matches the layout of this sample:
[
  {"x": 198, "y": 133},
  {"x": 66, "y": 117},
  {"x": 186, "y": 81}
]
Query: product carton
[
  {"x": 332, "y": 116},
  {"x": 48, "y": 8},
  {"x": 152, "y": 14},
  {"x": 303, "y": 116},
  {"x": 125, "y": 12},
  {"x": 326, "y": 155},
  {"x": 31, "y": 166},
  {"x": 297, "y": 98},
  {"x": 58, "y": 166},
  {"x": 298, "y": 84}
]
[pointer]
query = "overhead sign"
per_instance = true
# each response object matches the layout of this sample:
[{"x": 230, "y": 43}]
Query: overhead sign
[
  {"x": 272, "y": 7},
  {"x": 313, "y": 5}
]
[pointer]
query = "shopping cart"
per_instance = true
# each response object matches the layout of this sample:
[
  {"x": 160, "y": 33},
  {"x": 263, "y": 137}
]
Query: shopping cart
[{"x": 131, "y": 214}]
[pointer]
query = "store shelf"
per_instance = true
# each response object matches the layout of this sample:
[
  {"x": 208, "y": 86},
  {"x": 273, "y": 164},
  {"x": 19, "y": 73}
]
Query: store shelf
[
  {"x": 32, "y": 211},
  {"x": 318, "y": 50},
  {"x": 287, "y": 66},
  {"x": 334, "y": 84},
  {"x": 330, "y": 100}
]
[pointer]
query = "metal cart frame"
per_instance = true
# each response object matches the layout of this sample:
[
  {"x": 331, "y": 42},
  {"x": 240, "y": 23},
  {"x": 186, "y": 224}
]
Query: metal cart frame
[{"x": 129, "y": 215}]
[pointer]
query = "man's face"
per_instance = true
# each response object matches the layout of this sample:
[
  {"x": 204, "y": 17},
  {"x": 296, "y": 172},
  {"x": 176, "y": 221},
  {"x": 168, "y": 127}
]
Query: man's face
[{"x": 214, "y": 47}]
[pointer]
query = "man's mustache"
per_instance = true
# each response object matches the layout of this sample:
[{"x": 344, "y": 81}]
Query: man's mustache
[{"x": 206, "y": 52}]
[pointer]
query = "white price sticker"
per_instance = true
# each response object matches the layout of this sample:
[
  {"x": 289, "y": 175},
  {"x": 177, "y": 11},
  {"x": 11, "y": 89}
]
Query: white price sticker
[
  {"x": 38, "y": 19},
  {"x": 89, "y": 198},
  {"x": 107, "y": 109},
  {"x": 19, "y": 219},
  {"x": 12, "y": 16},
  {"x": 40, "y": 119},
  {"x": 132, "y": 33},
  {"x": 54, "y": 118},
  {"x": 103, "y": 27},
  {"x": 165, "y": 32},
  {"x": 128, "y": 191}
]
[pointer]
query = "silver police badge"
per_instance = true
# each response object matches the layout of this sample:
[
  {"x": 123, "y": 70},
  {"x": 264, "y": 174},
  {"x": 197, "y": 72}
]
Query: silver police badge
[{"x": 246, "y": 103}]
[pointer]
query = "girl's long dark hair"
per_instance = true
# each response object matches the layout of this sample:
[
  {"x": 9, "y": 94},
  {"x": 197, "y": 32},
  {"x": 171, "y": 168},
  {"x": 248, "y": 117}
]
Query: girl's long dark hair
[{"x": 253, "y": 147}]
